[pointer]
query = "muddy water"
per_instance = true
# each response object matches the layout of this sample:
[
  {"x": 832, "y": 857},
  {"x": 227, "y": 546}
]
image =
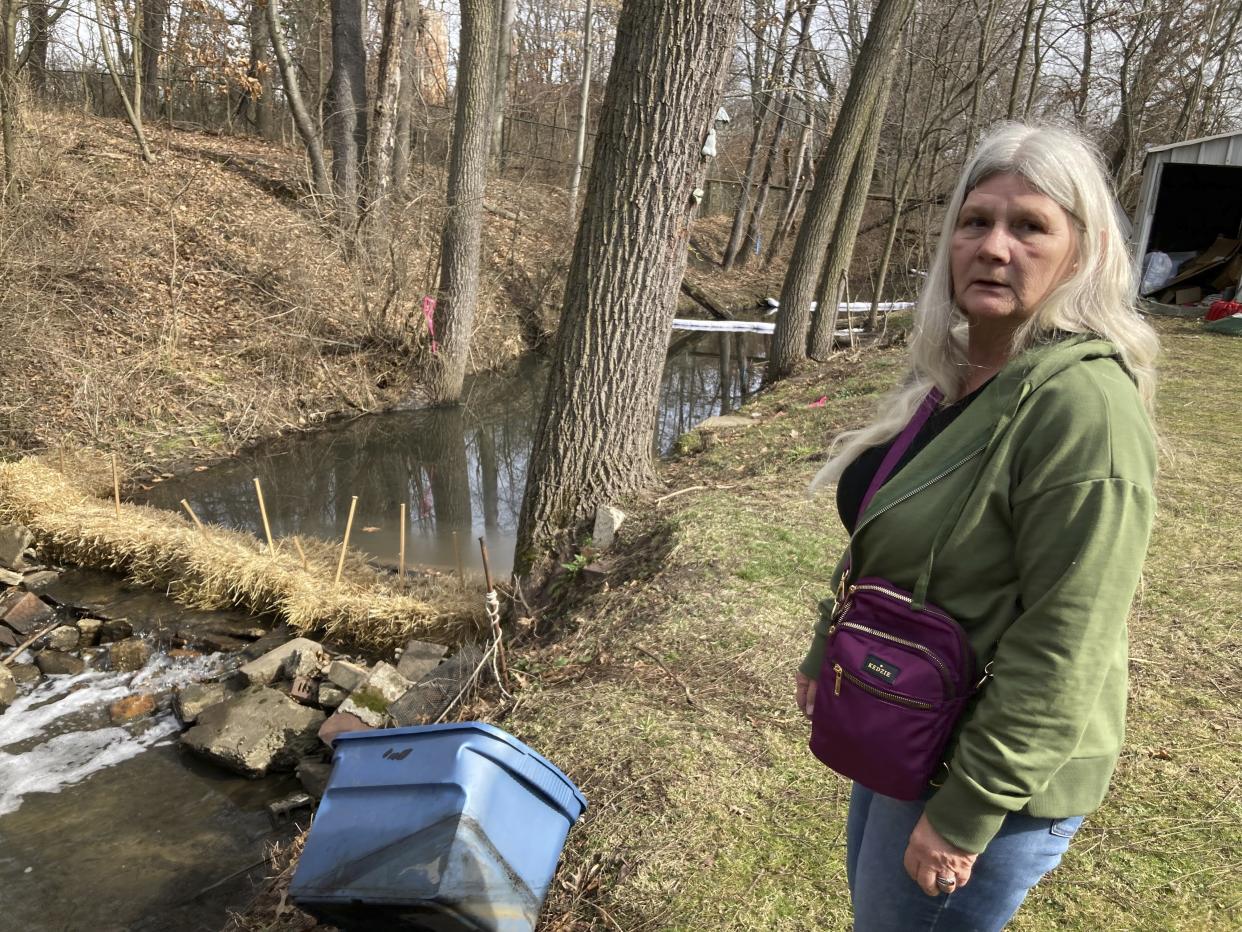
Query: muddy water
[{"x": 457, "y": 470}]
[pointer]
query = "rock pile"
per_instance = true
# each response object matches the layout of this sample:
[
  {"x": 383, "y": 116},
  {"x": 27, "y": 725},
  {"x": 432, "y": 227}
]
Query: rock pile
[
  {"x": 280, "y": 703},
  {"x": 283, "y": 709}
]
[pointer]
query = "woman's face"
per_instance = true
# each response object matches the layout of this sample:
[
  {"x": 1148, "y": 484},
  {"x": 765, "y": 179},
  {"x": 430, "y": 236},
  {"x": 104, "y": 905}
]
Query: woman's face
[{"x": 1011, "y": 247}]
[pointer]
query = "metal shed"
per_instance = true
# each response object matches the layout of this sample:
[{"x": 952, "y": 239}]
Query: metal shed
[{"x": 1191, "y": 194}]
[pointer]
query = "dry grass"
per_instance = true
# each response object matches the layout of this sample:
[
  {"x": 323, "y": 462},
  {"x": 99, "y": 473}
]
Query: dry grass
[
  {"x": 219, "y": 568},
  {"x": 191, "y": 307}
]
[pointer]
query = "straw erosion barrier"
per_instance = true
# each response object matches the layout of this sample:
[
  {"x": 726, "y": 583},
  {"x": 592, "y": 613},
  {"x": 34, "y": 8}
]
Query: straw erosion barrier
[{"x": 209, "y": 567}]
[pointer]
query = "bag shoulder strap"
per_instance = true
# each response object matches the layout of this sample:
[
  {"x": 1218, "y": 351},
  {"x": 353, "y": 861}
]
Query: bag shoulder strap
[{"x": 901, "y": 445}]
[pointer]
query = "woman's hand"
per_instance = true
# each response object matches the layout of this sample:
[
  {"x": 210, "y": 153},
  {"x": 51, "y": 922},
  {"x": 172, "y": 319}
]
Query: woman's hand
[
  {"x": 805, "y": 693},
  {"x": 929, "y": 856}
]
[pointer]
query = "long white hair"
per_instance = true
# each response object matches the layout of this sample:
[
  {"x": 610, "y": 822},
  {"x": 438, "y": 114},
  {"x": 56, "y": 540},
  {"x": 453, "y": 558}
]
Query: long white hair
[{"x": 1096, "y": 299}]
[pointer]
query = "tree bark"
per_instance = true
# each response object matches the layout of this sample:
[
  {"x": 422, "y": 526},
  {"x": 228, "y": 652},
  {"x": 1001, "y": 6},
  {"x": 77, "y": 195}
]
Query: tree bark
[
  {"x": 301, "y": 118},
  {"x": 384, "y": 126},
  {"x": 845, "y": 236},
  {"x": 154, "y": 15},
  {"x": 348, "y": 123},
  {"x": 584, "y": 110},
  {"x": 593, "y": 443},
  {"x": 467, "y": 179},
  {"x": 8, "y": 91},
  {"x": 37, "y": 45},
  {"x": 789, "y": 341},
  {"x": 408, "y": 62},
  {"x": 504, "y": 53},
  {"x": 259, "y": 93}
]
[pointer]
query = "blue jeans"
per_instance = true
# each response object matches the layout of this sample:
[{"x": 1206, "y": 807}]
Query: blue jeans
[{"x": 887, "y": 900}]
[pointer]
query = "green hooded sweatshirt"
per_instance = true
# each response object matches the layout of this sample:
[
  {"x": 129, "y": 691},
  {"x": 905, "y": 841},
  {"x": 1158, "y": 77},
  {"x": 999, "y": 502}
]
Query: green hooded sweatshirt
[{"x": 1037, "y": 502}]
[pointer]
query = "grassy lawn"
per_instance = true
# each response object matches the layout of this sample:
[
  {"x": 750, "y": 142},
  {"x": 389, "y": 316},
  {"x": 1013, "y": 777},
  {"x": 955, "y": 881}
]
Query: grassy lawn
[{"x": 670, "y": 698}]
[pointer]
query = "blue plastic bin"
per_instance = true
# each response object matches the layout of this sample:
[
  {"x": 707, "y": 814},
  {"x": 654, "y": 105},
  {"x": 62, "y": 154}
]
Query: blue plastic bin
[{"x": 438, "y": 827}]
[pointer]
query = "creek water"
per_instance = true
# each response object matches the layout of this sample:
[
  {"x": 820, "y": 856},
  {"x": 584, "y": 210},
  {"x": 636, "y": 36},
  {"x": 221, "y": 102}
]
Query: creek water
[
  {"x": 108, "y": 826},
  {"x": 458, "y": 470}
]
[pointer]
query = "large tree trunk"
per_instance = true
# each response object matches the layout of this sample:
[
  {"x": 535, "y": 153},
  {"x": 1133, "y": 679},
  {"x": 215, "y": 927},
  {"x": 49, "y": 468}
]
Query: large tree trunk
[
  {"x": 38, "y": 45},
  {"x": 349, "y": 107},
  {"x": 301, "y": 117},
  {"x": 259, "y": 93},
  {"x": 875, "y": 62},
  {"x": 593, "y": 443},
  {"x": 154, "y": 14},
  {"x": 467, "y": 178}
]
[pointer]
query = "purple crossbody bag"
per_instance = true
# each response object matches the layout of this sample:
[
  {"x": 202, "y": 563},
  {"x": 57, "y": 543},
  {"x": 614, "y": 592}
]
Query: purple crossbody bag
[{"x": 896, "y": 675}]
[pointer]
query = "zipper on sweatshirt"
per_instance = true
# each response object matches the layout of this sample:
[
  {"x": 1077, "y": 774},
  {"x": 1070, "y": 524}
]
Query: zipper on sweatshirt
[{"x": 917, "y": 489}]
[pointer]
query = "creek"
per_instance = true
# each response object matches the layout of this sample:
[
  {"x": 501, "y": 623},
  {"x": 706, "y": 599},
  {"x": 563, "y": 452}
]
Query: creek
[
  {"x": 110, "y": 826},
  {"x": 459, "y": 471}
]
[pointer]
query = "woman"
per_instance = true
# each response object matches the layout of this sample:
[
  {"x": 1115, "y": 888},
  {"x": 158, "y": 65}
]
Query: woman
[{"x": 1040, "y": 462}]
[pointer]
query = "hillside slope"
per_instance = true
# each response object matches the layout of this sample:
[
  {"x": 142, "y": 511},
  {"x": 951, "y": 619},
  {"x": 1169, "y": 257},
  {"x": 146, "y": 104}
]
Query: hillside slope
[{"x": 197, "y": 304}]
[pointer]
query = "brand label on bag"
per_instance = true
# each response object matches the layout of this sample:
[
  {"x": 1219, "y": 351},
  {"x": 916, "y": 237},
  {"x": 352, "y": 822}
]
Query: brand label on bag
[{"x": 876, "y": 667}]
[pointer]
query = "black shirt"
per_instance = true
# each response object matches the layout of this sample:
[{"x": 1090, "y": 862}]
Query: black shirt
[{"x": 857, "y": 476}]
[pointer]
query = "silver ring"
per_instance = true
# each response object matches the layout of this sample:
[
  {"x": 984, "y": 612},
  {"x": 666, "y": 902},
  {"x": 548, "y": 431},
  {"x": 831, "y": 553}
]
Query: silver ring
[{"x": 946, "y": 882}]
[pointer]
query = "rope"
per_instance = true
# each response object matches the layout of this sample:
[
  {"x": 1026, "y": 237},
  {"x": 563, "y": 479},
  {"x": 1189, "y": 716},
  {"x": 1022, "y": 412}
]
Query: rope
[{"x": 491, "y": 603}]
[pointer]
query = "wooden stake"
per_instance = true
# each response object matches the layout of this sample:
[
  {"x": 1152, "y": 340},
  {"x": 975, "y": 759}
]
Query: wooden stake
[
  {"x": 301, "y": 553},
  {"x": 267, "y": 528},
  {"x": 401, "y": 551},
  {"x": 116, "y": 486},
  {"x": 349, "y": 524},
  {"x": 461, "y": 575},
  {"x": 487, "y": 567},
  {"x": 190, "y": 511}
]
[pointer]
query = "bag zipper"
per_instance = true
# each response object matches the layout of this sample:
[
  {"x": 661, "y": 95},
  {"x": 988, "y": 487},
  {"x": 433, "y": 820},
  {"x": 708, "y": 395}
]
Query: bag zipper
[
  {"x": 866, "y": 687},
  {"x": 913, "y": 645}
]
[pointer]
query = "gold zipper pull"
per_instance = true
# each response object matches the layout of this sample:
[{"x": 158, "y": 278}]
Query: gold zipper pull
[{"x": 836, "y": 686}]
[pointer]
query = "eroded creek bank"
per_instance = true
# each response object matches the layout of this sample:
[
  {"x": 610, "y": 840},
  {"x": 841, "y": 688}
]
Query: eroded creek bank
[{"x": 151, "y": 755}]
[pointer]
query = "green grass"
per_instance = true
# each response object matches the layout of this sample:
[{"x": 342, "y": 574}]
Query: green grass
[{"x": 670, "y": 699}]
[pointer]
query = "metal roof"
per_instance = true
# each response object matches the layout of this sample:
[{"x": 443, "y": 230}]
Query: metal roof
[{"x": 1223, "y": 149}]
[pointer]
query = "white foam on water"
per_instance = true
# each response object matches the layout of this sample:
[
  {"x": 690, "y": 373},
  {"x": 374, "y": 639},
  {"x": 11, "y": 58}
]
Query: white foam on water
[
  {"x": 65, "y": 759},
  {"x": 70, "y": 758}
]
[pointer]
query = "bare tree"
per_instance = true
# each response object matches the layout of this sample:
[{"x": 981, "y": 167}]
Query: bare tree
[
  {"x": 463, "y": 223},
  {"x": 348, "y": 122},
  {"x": 293, "y": 94},
  {"x": 584, "y": 109},
  {"x": 845, "y": 235},
  {"x": 131, "y": 98},
  {"x": 504, "y": 52},
  {"x": 789, "y": 341},
  {"x": 764, "y": 77},
  {"x": 8, "y": 90},
  {"x": 593, "y": 444},
  {"x": 407, "y": 95},
  {"x": 154, "y": 14}
]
